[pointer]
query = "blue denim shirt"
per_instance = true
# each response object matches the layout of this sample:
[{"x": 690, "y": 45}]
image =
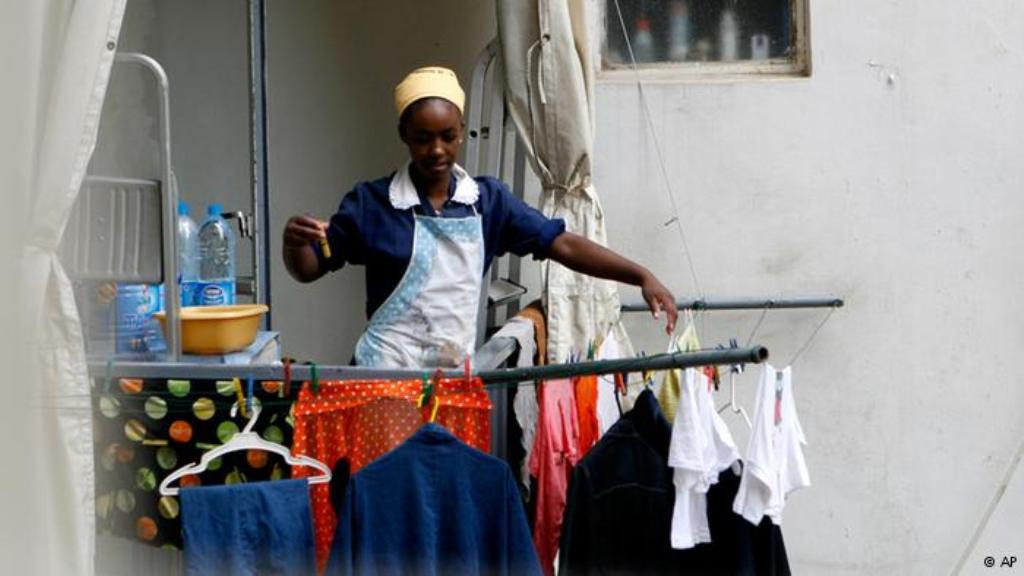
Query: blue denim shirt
[{"x": 433, "y": 506}]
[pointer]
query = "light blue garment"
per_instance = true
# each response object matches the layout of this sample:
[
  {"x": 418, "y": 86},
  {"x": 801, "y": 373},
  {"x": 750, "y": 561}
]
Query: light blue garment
[
  {"x": 247, "y": 529},
  {"x": 433, "y": 506}
]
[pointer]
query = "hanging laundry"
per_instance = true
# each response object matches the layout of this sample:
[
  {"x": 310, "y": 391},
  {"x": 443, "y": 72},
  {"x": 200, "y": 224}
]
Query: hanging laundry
[
  {"x": 555, "y": 452},
  {"x": 145, "y": 428},
  {"x": 701, "y": 448},
  {"x": 248, "y": 529},
  {"x": 608, "y": 412},
  {"x": 737, "y": 546},
  {"x": 524, "y": 403},
  {"x": 363, "y": 420},
  {"x": 671, "y": 387},
  {"x": 586, "y": 409},
  {"x": 775, "y": 464},
  {"x": 619, "y": 510},
  {"x": 433, "y": 506}
]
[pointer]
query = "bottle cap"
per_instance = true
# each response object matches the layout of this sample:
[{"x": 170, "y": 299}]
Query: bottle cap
[
  {"x": 182, "y": 208},
  {"x": 643, "y": 24},
  {"x": 213, "y": 210}
]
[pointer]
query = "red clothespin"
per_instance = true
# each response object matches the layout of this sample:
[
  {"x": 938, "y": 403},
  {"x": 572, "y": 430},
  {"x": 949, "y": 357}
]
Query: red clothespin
[
  {"x": 620, "y": 383},
  {"x": 286, "y": 386}
]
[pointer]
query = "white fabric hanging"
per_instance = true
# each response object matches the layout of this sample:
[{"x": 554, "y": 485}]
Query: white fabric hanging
[
  {"x": 524, "y": 405},
  {"x": 549, "y": 88},
  {"x": 57, "y": 60},
  {"x": 701, "y": 448},
  {"x": 774, "y": 466}
]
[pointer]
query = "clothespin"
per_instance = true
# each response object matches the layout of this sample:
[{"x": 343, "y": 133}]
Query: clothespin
[
  {"x": 467, "y": 371},
  {"x": 620, "y": 383},
  {"x": 241, "y": 397},
  {"x": 433, "y": 412},
  {"x": 591, "y": 350},
  {"x": 314, "y": 378},
  {"x": 778, "y": 397},
  {"x": 249, "y": 392},
  {"x": 108, "y": 382},
  {"x": 426, "y": 391},
  {"x": 286, "y": 386}
]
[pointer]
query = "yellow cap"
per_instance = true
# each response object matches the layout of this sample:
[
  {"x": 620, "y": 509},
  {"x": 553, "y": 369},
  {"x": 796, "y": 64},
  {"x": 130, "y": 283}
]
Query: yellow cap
[{"x": 429, "y": 82}]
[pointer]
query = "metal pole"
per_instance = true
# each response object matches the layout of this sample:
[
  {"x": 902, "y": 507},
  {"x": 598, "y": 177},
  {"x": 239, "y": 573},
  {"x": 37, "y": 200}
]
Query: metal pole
[
  {"x": 172, "y": 291},
  {"x": 745, "y": 304},
  {"x": 157, "y": 370},
  {"x": 753, "y": 355},
  {"x": 257, "y": 10}
]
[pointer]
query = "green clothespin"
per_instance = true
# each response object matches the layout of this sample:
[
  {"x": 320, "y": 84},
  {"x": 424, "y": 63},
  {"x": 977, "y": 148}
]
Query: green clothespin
[
  {"x": 314, "y": 378},
  {"x": 428, "y": 390}
]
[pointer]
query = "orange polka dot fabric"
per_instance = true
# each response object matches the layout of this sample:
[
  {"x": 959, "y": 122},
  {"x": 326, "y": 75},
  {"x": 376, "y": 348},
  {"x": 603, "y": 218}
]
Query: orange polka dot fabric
[{"x": 362, "y": 420}]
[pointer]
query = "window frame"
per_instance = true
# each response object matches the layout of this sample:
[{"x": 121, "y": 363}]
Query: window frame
[{"x": 797, "y": 67}]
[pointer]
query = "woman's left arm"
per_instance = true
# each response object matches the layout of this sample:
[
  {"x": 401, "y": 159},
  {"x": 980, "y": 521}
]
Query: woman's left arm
[{"x": 582, "y": 255}]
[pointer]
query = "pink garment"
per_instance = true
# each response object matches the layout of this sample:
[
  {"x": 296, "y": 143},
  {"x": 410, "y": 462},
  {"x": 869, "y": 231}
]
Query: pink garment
[{"x": 555, "y": 453}]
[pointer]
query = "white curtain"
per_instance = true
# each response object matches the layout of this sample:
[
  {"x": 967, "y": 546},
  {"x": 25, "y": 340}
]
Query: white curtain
[
  {"x": 56, "y": 60},
  {"x": 549, "y": 89}
]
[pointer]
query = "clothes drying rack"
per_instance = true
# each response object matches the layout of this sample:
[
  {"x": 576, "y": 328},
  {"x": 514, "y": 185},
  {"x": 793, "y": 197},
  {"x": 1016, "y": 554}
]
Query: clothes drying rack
[{"x": 492, "y": 377}]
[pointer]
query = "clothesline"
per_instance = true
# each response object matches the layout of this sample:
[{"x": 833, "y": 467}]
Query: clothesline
[
  {"x": 745, "y": 304},
  {"x": 499, "y": 378}
]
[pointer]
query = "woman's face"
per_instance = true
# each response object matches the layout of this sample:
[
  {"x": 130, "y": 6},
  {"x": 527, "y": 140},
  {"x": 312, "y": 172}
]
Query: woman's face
[{"x": 432, "y": 129}]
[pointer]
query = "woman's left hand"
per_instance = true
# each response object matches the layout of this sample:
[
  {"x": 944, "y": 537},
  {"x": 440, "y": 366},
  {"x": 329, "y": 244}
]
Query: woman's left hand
[{"x": 659, "y": 298}]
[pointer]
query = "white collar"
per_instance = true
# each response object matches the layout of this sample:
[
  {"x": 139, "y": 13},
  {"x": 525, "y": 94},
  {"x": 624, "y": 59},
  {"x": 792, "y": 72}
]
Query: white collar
[{"x": 402, "y": 191}]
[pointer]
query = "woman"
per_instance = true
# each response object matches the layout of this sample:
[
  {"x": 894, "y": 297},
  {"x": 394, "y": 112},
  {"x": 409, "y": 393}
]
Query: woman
[{"x": 427, "y": 234}]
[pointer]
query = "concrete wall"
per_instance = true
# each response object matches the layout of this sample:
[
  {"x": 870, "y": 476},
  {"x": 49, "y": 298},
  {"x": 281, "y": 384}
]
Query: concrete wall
[{"x": 891, "y": 178}]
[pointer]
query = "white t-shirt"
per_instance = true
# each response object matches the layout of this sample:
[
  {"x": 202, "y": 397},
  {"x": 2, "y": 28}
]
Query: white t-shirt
[
  {"x": 701, "y": 448},
  {"x": 775, "y": 464},
  {"x": 607, "y": 406}
]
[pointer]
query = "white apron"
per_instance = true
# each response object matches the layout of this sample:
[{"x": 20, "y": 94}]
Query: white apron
[{"x": 430, "y": 319}]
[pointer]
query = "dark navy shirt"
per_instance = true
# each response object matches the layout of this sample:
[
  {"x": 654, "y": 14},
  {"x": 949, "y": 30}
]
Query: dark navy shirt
[
  {"x": 368, "y": 230},
  {"x": 433, "y": 506}
]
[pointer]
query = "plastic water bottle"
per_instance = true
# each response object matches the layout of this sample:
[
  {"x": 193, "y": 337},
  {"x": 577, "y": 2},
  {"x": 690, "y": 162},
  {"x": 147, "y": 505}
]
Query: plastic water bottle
[
  {"x": 216, "y": 260},
  {"x": 643, "y": 41},
  {"x": 678, "y": 31},
  {"x": 188, "y": 255},
  {"x": 728, "y": 37}
]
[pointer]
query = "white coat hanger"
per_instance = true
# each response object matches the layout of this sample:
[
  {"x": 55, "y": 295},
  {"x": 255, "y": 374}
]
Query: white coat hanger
[
  {"x": 736, "y": 408},
  {"x": 245, "y": 440}
]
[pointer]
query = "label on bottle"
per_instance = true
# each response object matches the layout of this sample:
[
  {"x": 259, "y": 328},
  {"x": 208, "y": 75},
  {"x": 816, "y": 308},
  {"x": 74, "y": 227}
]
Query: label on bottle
[
  {"x": 189, "y": 290},
  {"x": 135, "y": 328},
  {"x": 214, "y": 293}
]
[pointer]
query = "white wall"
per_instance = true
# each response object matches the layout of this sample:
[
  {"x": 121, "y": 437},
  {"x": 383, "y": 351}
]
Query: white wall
[
  {"x": 332, "y": 69},
  {"x": 904, "y": 198}
]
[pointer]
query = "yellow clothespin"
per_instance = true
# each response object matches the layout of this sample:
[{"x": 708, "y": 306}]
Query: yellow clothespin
[
  {"x": 433, "y": 412},
  {"x": 237, "y": 382}
]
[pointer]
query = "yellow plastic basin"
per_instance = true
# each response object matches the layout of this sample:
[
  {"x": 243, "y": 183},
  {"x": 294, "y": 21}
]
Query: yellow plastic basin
[{"x": 217, "y": 329}]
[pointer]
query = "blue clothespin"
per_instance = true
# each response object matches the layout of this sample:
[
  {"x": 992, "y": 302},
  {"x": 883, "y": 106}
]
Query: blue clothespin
[{"x": 249, "y": 392}]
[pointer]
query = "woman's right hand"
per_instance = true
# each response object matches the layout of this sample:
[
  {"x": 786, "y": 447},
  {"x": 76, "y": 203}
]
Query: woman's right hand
[
  {"x": 299, "y": 257},
  {"x": 299, "y": 231}
]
